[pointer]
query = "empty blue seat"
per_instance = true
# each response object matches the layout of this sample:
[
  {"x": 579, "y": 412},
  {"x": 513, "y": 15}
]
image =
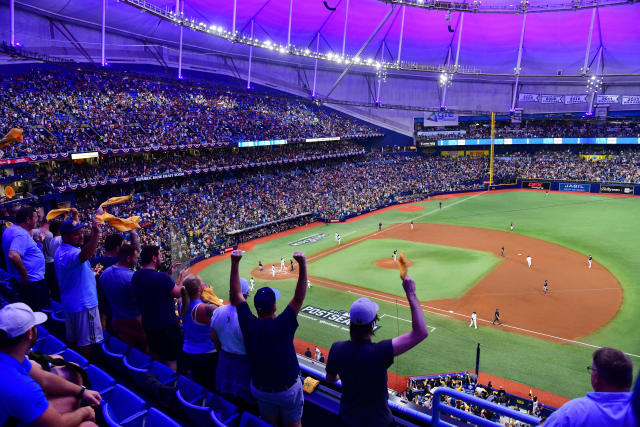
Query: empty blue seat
[
  {"x": 101, "y": 382},
  {"x": 125, "y": 408},
  {"x": 137, "y": 359},
  {"x": 223, "y": 412},
  {"x": 250, "y": 420},
  {"x": 75, "y": 357},
  {"x": 190, "y": 391},
  {"x": 156, "y": 418},
  {"x": 42, "y": 332},
  {"x": 165, "y": 374},
  {"x": 50, "y": 345},
  {"x": 113, "y": 351}
]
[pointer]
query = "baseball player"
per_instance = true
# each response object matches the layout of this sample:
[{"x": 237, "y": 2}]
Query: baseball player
[
  {"x": 502, "y": 252},
  {"x": 440, "y": 205},
  {"x": 309, "y": 284},
  {"x": 282, "y": 265},
  {"x": 496, "y": 317},
  {"x": 291, "y": 265},
  {"x": 546, "y": 193},
  {"x": 511, "y": 226},
  {"x": 380, "y": 226},
  {"x": 273, "y": 270},
  {"x": 336, "y": 237},
  {"x": 590, "y": 260},
  {"x": 251, "y": 283},
  {"x": 339, "y": 239},
  {"x": 545, "y": 290},
  {"x": 395, "y": 255},
  {"x": 317, "y": 351},
  {"x": 529, "y": 260},
  {"x": 260, "y": 265},
  {"x": 411, "y": 225},
  {"x": 474, "y": 318}
]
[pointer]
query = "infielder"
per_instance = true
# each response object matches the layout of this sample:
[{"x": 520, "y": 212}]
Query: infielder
[
  {"x": 260, "y": 265},
  {"x": 529, "y": 260},
  {"x": 511, "y": 226},
  {"x": 473, "y": 322},
  {"x": 502, "y": 252},
  {"x": 308, "y": 284},
  {"x": 590, "y": 260},
  {"x": 273, "y": 270},
  {"x": 546, "y": 283},
  {"x": 440, "y": 205},
  {"x": 496, "y": 317},
  {"x": 282, "y": 265},
  {"x": 395, "y": 255},
  {"x": 339, "y": 239},
  {"x": 380, "y": 226},
  {"x": 336, "y": 237},
  {"x": 251, "y": 283},
  {"x": 291, "y": 265},
  {"x": 411, "y": 225}
]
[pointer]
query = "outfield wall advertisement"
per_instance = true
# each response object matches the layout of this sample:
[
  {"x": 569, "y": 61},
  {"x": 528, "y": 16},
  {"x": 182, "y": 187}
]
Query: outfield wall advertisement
[
  {"x": 575, "y": 187},
  {"x": 536, "y": 185},
  {"x": 616, "y": 189}
]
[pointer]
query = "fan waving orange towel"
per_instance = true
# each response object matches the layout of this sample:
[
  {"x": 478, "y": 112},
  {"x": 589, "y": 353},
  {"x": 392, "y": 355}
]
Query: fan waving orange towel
[{"x": 403, "y": 265}]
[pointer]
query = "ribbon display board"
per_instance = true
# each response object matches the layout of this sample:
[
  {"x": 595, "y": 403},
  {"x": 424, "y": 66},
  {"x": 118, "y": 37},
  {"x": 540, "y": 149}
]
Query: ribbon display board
[{"x": 579, "y": 99}]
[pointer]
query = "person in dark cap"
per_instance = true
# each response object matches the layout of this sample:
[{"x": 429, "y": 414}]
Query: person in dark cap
[
  {"x": 77, "y": 281},
  {"x": 362, "y": 364},
  {"x": 275, "y": 373}
]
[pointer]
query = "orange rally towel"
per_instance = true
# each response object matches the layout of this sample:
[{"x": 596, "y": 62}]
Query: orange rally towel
[
  {"x": 14, "y": 135},
  {"x": 53, "y": 213},
  {"x": 116, "y": 200}
]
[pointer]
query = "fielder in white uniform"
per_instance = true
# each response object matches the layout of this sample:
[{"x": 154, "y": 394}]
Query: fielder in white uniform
[
  {"x": 411, "y": 225},
  {"x": 282, "y": 265},
  {"x": 336, "y": 237},
  {"x": 395, "y": 255},
  {"x": 339, "y": 239},
  {"x": 273, "y": 270},
  {"x": 308, "y": 284},
  {"x": 590, "y": 259},
  {"x": 473, "y": 322},
  {"x": 529, "y": 260},
  {"x": 251, "y": 282}
]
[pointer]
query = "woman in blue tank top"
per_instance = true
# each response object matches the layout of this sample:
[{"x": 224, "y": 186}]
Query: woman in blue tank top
[{"x": 200, "y": 355}]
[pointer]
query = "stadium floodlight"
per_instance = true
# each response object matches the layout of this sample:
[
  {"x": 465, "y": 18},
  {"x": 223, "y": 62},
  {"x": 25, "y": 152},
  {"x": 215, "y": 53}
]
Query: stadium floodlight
[
  {"x": 501, "y": 6},
  {"x": 446, "y": 79}
]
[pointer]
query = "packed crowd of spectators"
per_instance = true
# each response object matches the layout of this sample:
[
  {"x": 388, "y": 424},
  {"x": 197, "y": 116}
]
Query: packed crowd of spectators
[
  {"x": 420, "y": 392},
  {"x": 65, "y": 173},
  {"x": 85, "y": 111}
]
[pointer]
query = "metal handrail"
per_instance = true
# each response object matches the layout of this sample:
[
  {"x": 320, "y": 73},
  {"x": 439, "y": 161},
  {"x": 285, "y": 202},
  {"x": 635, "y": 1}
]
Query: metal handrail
[{"x": 440, "y": 407}]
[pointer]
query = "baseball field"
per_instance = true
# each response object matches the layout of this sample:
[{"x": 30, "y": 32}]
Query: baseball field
[{"x": 546, "y": 340}]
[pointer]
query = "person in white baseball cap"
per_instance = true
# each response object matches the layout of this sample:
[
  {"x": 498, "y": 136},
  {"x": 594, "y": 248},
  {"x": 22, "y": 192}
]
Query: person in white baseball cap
[
  {"x": 362, "y": 364},
  {"x": 25, "y": 385}
]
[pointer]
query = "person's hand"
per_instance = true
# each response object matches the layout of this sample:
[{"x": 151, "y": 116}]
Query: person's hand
[
  {"x": 236, "y": 256},
  {"x": 90, "y": 413},
  {"x": 95, "y": 225},
  {"x": 92, "y": 397},
  {"x": 299, "y": 256},
  {"x": 409, "y": 285},
  {"x": 173, "y": 266},
  {"x": 99, "y": 211}
]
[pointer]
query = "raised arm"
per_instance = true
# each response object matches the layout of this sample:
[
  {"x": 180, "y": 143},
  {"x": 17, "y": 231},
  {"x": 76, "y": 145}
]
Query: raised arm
[
  {"x": 235, "y": 290},
  {"x": 135, "y": 240},
  {"x": 419, "y": 330},
  {"x": 301, "y": 286},
  {"x": 89, "y": 250}
]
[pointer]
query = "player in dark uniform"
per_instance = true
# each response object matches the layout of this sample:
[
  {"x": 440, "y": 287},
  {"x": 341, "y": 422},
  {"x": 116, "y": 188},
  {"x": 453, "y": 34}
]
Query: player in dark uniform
[
  {"x": 496, "y": 317},
  {"x": 546, "y": 283},
  {"x": 440, "y": 205},
  {"x": 291, "y": 263},
  {"x": 380, "y": 226},
  {"x": 502, "y": 252},
  {"x": 260, "y": 265}
]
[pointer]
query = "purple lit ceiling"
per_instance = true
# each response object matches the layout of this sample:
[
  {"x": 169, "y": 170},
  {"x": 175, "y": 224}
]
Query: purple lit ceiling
[{"x": 554, "y": 41}]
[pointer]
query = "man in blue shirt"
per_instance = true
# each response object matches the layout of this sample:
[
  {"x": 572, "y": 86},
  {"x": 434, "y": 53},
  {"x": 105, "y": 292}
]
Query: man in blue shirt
[
  {"x": 23, "y": 385},
  {"x": 275, "y": 373},
  {"x": 25, "y": 260},
  {"x": 362, "y": 364},
  {"x": 77, "y": 282},
  {"x": 611, "y": 402},
  {"x": 116, "y": 284}
]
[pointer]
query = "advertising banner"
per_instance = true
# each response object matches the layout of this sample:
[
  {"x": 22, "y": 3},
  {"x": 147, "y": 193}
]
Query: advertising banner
[
  {"x": 528, "y": 97},
  {"x": 551, "y": 99},
  {"x": 631, "y": 99},
  {"x": 440, "y": 118},
  {"x": 575, "y": 99},
  {"x": 575, "y": 187},
  {"x": 533, "y": 185},
  {"x": 616, "y": 188},
  {"x": 607, "y": 99}
]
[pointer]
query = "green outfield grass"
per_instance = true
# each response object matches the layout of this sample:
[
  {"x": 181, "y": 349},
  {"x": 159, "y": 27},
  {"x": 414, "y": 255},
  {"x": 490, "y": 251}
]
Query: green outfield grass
[
  {"x": 606, "y": 227},
  {"x": 433, "y": 267}
]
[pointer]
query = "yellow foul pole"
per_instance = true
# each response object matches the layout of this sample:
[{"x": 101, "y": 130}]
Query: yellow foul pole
[{"x": 493, "y": 133}]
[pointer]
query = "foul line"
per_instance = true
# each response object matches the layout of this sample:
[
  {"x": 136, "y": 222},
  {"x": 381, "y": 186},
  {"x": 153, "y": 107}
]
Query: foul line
[
  {"x": 431, "y": 328},
  {"x": 447, "y": 313}
]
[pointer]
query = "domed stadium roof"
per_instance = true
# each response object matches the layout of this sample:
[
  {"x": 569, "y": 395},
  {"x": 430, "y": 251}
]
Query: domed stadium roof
[{"x": 555, "y": 39}]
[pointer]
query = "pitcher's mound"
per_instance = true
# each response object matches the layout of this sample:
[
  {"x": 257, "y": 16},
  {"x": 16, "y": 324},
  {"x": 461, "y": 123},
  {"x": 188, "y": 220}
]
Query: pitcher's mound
[{"x": 390, "y": 263}]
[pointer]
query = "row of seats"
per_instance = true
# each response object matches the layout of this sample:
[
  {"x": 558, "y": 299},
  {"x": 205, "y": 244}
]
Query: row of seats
[{"x": 123, "y": 407}]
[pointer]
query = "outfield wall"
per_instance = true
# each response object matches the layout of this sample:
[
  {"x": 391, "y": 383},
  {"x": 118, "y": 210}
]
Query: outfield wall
[{"x": 621, "y": 188}]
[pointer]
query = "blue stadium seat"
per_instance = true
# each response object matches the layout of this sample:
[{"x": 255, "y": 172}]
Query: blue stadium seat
[
  {"x": 113, "y": 351},
  {"x": 194, "y": 400},
  {"x": 42, "y": 332},
  {"x": 190, "y": 391},
  {"x": 165, "y": 374},
  {"x": 75, "y": 357},
  {"x": 223, "y": 412},
  {"x": 125, "y": 408},
  {"x": 250, "y": 420},
  {"x": 101, "y": 382},
  {"x": 156, "y": 418},
  {"x": 137, "y": 359},
  {"x": 50, "y": 345}
]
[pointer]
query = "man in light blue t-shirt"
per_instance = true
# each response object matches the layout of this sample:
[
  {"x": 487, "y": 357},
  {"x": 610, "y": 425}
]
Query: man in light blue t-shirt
[
  {"x": 78, "y": 292},
  {"x": 25, "y": 260}
]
